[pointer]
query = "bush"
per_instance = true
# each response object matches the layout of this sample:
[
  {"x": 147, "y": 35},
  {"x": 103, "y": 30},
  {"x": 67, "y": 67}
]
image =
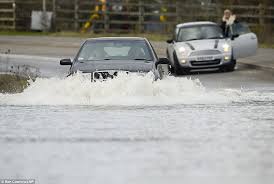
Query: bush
[{"x": 12, "y": 83}]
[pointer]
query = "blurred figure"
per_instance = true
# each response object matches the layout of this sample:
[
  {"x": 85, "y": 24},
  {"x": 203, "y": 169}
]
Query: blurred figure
[
  {"x": 228, "y": 19},
  {"x": 96, "y": 14}
]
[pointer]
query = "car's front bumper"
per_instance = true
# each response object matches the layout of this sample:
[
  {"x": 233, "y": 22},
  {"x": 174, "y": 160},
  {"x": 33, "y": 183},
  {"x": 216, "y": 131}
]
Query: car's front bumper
[{"x": 206, "y": 61}]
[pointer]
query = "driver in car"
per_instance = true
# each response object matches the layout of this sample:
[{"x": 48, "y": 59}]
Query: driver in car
[{"x": 228, "y": 19}]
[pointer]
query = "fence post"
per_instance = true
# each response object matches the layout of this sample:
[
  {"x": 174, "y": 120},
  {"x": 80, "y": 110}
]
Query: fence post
[
  {"x": 14, "y": 15},
  {"x": 178, "y": 14},
  {"x": 44, "y": 6},
  {"x": 54, "y": 15},
  {"x": 219, "y": 11},
  {"x": 141, "y": 17},
  {"x": 261, "y": 14},
  {"x": 265, "y": 30},
  {"x": 44, "y": 16},
  {"x": 106, "y": 19},
  {"x": 76, "y": 15}
]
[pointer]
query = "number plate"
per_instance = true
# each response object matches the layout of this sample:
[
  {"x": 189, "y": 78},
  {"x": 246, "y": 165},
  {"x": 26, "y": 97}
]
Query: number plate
[{"x": 205, "y": 58}]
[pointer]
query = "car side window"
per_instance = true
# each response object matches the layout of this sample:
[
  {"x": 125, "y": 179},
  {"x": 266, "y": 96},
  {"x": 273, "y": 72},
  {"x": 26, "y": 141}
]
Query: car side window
[{"x": 240, "y": 28}]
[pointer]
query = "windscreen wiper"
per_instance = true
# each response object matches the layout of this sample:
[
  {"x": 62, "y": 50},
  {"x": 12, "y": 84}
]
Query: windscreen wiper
[
  {"x": 83, "y": 61},
  {"x": 142, "y": 59}
]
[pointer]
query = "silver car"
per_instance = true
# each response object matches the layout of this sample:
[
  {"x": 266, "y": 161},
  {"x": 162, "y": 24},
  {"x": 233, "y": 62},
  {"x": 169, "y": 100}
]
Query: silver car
[
  {"x": 104, "y": 57},
  {"x": 202, "y": 45}
]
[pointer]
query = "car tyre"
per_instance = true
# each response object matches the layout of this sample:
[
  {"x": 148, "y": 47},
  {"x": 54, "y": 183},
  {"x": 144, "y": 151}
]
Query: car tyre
[
  {"x": 178, "y": 70},
  {"x": 230, "y": 67},
  {"x": 176, "y": 67}
]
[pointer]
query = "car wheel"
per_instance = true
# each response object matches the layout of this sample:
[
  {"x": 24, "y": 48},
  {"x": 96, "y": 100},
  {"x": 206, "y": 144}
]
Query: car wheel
[
  {"x": 176, "y": 67},
  {"x": 178, "y": 70},
  {"x": 230, "y": 67}
]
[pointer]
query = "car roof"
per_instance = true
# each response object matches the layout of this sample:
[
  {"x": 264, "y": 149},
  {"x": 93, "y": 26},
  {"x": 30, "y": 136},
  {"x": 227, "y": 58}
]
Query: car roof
[
  {"x": 116, "y": 38},
  {"x": 195, "y": 23}
]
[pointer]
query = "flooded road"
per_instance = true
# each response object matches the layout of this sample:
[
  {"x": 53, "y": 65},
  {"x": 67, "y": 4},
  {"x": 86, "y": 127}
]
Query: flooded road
[{"x": 134, "y": 130}]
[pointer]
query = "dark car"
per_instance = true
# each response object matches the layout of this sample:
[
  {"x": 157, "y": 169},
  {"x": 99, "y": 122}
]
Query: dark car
[{"x": 106, "y": 57}]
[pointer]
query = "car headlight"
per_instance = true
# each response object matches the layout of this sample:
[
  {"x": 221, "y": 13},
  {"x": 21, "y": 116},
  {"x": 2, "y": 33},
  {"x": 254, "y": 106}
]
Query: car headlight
[
  {"x": 183, "y": 51},
  {"x": 226, "y": 47},
  {"x": 183, "y": 61}
]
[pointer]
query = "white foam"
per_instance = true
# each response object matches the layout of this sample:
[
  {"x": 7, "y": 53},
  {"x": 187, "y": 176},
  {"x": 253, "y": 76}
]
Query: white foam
[{"x": 129, "y": 90}]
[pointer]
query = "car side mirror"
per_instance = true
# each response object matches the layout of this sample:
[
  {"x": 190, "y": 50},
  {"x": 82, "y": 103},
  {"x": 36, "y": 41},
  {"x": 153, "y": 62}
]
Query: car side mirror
[
  {"x": 162, "y": 61},
  {"x": 169, "y": 41},
  {"x": 234, "y": 36},
  {"x": 65, "y": 62}
]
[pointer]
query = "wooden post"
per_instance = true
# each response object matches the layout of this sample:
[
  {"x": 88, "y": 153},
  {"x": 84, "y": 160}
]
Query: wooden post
[
  {"x": 178, "y": 14},
  {"x": 178, "y": 10},
  {"x": 76, "y": 15},
  {"x": 219, "y": 11},
  {"x": 14, "y": 15},
  {"x": 44, "y": 7},
  {"x": 261, "y": 14},
  {"x": 141, "y": 17},
  {"x": 263, "y": 32},
  {"x": 54, "y": 15},
  {"x": 106, "y": 19},
  {"x": 44, "y": 16}
]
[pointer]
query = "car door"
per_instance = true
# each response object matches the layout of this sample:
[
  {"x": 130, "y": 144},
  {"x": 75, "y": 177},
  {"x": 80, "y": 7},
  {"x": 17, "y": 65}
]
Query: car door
[{"x": 244, "y": 42}]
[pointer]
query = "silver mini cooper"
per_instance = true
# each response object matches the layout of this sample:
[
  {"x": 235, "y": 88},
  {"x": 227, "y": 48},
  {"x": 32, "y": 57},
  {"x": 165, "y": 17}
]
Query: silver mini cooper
[{"x": 202, "y": 45}]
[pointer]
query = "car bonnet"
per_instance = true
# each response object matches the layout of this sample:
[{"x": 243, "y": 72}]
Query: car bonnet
[{"x": 197, "y": 45}]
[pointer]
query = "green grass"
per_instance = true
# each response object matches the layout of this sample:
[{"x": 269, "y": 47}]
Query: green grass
[
  {"x": 12, "y": 83},
  {"x": 267, "y": 45},
  {"x": 152, "y": 37}
]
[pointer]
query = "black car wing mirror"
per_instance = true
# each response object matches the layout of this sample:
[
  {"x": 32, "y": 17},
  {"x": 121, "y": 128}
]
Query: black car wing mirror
[
  {"x": 234, "y": 36},
  {"x": 65, "y": 62},
  {"x": 170, "y": 41},
  {"x": 162, "y": 61}
]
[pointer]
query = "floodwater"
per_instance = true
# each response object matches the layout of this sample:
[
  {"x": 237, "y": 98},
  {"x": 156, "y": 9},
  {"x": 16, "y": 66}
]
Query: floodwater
[{"x": 135, "y": 130}]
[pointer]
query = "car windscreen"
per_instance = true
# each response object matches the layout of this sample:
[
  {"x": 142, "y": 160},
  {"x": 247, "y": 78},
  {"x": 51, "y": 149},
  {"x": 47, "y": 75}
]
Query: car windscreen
[
  {"x": 199, "y": 33},
  {"x": 97, "y": 50}
]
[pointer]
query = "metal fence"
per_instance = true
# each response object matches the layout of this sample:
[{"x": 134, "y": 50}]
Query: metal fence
[
  {"x": 138, "y": 16},
  {"x": 7, "y": 14}
]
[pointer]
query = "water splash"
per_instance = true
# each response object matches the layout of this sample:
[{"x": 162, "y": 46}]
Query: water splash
[{"x": 126, "y": 89}]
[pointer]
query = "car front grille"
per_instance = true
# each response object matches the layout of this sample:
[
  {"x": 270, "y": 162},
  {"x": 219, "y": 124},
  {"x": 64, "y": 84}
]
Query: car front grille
[
  {"x": 206, "y": 63},
  {"x": 104, "y": 75},
  {"x": 205, "y": 53}
]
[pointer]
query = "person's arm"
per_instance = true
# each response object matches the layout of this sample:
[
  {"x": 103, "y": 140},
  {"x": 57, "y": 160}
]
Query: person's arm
[
  {"x": 232, "y": 20},
  {"x": 223, "y": 26},
  {"x": 236, "y": 20}
]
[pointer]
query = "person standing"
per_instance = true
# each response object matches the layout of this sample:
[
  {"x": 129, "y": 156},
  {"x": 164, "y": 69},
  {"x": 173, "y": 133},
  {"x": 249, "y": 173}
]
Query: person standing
[{"x": 228, "y": 19}]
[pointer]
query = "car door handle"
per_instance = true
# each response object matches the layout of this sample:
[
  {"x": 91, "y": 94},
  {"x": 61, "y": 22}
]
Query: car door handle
[{"x": 253, "y": 38}]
